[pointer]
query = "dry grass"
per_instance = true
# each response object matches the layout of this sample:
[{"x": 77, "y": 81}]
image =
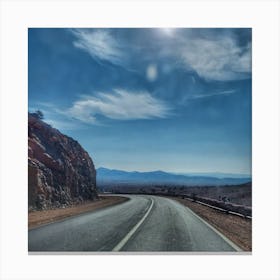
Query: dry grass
[
  {"x": 38, "y": 218},
  {"x": 236, "y": 228}
]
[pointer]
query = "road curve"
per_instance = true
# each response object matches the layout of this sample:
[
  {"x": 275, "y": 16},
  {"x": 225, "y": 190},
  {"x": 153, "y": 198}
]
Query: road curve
[{"x": 144, "y": 223}]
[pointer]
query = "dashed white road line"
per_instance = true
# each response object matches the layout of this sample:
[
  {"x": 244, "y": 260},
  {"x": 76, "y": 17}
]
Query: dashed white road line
[{"x": 120, "y": 245}]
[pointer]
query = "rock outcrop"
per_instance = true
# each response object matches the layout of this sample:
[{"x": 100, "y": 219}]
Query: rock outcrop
[{"x": 60, "y": 171}]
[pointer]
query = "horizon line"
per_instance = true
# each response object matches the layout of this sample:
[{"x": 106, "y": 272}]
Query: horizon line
[{"x": 178, "y": 173}]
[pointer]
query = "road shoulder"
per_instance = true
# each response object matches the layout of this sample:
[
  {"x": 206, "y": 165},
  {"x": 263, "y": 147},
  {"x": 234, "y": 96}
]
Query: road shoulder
[
  {"x": 38, "y": 218},
  {"x": 236, "y": 229}
]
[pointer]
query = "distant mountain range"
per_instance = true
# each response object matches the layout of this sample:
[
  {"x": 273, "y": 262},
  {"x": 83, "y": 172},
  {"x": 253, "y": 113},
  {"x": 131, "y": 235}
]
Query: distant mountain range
[
  {"x": 118, "y": 177},
  {"x": 216, "y": 175}
]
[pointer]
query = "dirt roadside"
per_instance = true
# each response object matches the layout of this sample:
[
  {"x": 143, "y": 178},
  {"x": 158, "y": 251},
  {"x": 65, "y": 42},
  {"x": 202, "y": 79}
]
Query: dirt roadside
[
  {"x": 237, "y": 229},
  {"x": 38, "y": 218}
]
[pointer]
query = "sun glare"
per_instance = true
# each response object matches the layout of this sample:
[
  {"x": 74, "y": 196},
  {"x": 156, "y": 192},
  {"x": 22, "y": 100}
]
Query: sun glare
[{"x": 167, "y": 31}]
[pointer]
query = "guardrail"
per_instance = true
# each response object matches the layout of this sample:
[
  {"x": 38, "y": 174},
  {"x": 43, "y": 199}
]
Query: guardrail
[{"x": 226, "y": 207}]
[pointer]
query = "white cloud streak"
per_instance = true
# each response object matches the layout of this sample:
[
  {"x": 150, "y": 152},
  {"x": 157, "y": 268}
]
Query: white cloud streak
[
  {"x": 100, "y": 44},
  {"x": 221, "y": 59},
  {"x": 120, "y": 105},
  {"x": 209, "y": 95},
  {"x": 227, "y": 92}
]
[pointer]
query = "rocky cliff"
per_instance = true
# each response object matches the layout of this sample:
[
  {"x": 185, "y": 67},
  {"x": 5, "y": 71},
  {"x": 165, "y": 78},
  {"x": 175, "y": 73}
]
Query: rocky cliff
[{"x": 60, "y": 171}]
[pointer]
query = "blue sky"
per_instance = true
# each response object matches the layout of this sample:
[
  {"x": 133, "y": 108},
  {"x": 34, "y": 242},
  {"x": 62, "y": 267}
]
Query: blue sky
[{"x": 147, "y": 99}]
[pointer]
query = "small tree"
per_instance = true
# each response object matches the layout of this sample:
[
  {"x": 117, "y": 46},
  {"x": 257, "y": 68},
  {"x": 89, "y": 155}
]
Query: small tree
[{"x": 38, "y": 115}]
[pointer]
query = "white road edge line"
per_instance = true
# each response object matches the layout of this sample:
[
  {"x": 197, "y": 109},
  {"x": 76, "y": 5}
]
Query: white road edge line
[
  {"x": 120, "y": 245},
  {"x": 234, "y": 246}
]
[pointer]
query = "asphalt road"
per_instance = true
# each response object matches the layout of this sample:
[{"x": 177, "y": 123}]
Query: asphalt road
[{"x": 144, "y": 223}]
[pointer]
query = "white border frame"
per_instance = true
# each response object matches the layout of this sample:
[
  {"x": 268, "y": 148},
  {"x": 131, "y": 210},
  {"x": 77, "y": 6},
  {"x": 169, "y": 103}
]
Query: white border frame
[{"x": 17, "y": 16}]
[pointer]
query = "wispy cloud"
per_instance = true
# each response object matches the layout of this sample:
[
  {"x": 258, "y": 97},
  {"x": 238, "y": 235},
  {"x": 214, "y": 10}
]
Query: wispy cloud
[
  {"x": 100, "y": 44},
  {"x": 208, "y": 95},
  {"x": 218, "y": 59},
  {"x": 226, "y": 92},
  {"x": 212, "y": 57},
  {"x": 119, "y": 105}
]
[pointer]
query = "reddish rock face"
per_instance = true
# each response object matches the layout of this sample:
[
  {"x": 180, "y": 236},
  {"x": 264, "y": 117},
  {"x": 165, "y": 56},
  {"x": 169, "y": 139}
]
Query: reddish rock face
[{"x": 60, "y": 171}]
